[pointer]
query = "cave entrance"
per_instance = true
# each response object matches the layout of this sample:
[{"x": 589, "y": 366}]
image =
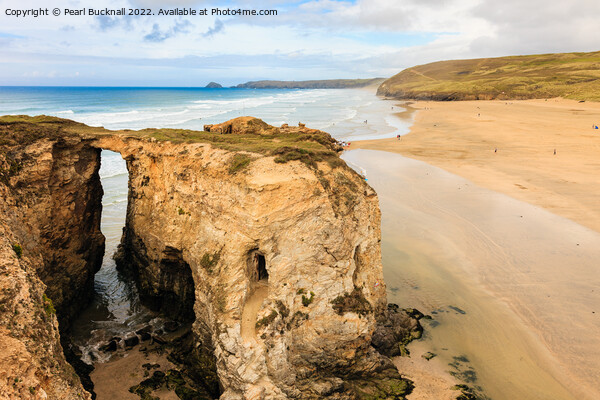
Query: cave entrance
[
  {"x": 257, "y": 268},
  {"x": 261, "y": 268}
]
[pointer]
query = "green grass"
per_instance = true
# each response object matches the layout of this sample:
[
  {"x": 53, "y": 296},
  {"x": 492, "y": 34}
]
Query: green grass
[
  {"x": 352, "y": 302},
  {"x": 306, "y": 301},
  {"x": 239, "y": 162},
  {"x": 48, "y": 305},
  {"x": 210, "y": 261},
  {"x": 267, "y": 320},
  {"x": 569, "y": 75},
  {"x": 18, "y": 250}
]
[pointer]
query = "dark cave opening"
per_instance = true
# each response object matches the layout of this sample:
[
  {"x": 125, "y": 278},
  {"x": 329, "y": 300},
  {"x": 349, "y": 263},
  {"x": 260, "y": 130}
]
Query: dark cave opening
[
  {"x": 261, "y": 268},
  {"x": 257, "y": 267}
]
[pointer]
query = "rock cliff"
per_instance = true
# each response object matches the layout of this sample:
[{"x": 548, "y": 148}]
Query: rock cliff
[
  {"x": 266, "y": 240},
  {"x": 284, "y": 260},
  {"x": 50, "y": 248}
]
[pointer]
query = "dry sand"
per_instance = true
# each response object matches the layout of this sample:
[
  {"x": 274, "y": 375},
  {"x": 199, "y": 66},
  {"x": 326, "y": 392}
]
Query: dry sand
[
  {"x": 461, "y": 137},
  {"x": 260, "y": 292}
]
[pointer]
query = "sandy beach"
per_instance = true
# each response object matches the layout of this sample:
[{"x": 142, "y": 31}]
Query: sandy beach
[
  {"x": 511, "y": 287},
  {"x": 508, "y": 146},
  {"x": 524, "y": 276}
]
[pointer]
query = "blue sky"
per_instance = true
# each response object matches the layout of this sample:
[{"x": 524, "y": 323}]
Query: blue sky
[{"x": 311, "y": 39}]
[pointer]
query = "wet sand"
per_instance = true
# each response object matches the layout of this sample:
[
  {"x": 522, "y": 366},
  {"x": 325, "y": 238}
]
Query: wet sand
[
  {"x": 431, "y": 379},
  {"x": 113, "y": 379},
  {"x": 513, "y": 289},
  {"x": 509, "y": 147}
]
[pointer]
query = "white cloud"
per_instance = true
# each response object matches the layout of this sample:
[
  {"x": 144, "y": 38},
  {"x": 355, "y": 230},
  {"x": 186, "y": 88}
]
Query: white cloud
[{"x": 315, "y": 39}]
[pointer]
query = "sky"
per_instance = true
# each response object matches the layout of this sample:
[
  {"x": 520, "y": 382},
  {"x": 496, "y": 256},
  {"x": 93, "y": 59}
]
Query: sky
[{"x": 309, "y": 39}]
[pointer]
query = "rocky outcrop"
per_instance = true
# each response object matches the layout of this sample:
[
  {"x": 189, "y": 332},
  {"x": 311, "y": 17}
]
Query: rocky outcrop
[
  {"x": 50, "y": 248},
  {"x": 264, "y": 238},
  {"x": 242, "y": 125},
  {"x": 213, "y": 85},
  {"x": 310, "y": 235}
]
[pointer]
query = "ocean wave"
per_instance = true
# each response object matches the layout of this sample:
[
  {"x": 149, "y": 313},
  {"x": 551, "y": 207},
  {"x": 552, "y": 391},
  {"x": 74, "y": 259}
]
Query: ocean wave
[
  {"x": 400, "y": 126},
  {"x": 112, "y": 174},
  {"x": 115, "y": 202}
]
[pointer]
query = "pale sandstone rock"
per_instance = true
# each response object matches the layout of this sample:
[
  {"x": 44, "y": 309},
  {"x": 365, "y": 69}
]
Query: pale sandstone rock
[
  {"x": 43, "y": 205},
  {"x": 194, "y": 232},
  {"x": 324, "y": 240}
]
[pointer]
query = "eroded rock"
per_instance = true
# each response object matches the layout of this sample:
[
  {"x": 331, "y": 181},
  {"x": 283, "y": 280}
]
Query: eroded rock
[{"x": 281, "y": 234}]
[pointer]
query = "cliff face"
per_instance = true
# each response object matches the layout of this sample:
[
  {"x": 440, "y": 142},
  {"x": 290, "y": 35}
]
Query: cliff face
[
  {"x": 56, "y": 199},
  {"x": 274, "y": 254},
  {"x": 284, "y": 260},
  {"x": 50, "y": 248}
]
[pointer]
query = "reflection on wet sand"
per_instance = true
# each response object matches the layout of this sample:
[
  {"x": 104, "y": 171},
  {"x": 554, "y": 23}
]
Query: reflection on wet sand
[{"x": 510, "y": 286}]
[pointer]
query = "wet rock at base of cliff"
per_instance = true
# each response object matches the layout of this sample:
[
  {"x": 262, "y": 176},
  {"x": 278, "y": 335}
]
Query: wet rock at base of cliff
[
  {"x": 197, "y": 363},
  {"x": 172, "y": 380},
  {"x": 131, "y": 341},
  {"x": 396, "y": 328},
  {"x": 110, "y": 346},
  {"x": 82, "y": 369},
  {"x": 171, "y": 292}
]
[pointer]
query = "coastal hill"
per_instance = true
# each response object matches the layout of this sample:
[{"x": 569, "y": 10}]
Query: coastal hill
[
  {"x": 569, "y": 75},
  {"x": 316, "y": 84}
]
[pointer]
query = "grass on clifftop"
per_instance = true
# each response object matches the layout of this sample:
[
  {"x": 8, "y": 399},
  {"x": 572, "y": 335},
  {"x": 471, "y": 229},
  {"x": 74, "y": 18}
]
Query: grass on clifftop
[
  {"x": 308, "y": 148},
  {"x": 569, "y": 75}
]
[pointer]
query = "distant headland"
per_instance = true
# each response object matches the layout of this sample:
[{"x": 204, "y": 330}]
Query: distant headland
[{"x": 314, "y": 84}]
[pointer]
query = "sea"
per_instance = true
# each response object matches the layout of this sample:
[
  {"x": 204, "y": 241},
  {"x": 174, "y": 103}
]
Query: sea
[{"x": 347, "y": 114}]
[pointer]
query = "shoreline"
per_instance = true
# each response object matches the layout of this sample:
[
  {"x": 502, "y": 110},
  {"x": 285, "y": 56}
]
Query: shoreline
[
  {"x": 508, "y": 146},
  {"x": 491, "y": 271}
]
